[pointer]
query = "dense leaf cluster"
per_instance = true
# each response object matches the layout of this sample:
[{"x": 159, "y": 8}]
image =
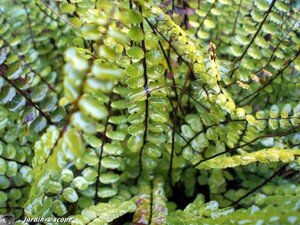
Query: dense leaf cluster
[{"x": 150, "y": 112}]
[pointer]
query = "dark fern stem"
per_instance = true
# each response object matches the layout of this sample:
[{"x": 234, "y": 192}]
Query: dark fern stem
[
  {"x": 102, "y": 146},
  {"x": 146, "y": 101}
]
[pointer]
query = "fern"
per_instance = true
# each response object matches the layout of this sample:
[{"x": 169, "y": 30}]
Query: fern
[
  {"x": 104, "y": 213},
  {"x": 150, "y": 112}
]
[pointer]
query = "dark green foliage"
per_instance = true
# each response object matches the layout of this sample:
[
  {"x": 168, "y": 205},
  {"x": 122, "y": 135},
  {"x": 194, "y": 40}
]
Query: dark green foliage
[{"x": 150, "y": 112}]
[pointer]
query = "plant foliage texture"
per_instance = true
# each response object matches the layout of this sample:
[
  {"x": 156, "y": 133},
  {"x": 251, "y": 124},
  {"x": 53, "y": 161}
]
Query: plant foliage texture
[{"x": 150, "y": 112}]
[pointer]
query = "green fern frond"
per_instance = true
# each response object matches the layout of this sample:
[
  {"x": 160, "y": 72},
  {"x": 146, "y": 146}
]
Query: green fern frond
[
  {"x": 103, "y": 213},
  {"x": 150, "y": 112}
]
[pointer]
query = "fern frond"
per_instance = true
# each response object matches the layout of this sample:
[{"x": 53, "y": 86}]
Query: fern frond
[
  {"x": 147, "y": 112},
  {"x": 103, "y": 213}
]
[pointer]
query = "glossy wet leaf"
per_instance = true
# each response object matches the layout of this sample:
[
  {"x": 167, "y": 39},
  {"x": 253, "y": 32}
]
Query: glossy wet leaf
[
  {"x": 135, "y": 53},
  {"x": 91, "y": 106},
  {"x": 134, "y": 16},
  {"x": 106, "y": 72},
  {"x": 136, "y": 33}
]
